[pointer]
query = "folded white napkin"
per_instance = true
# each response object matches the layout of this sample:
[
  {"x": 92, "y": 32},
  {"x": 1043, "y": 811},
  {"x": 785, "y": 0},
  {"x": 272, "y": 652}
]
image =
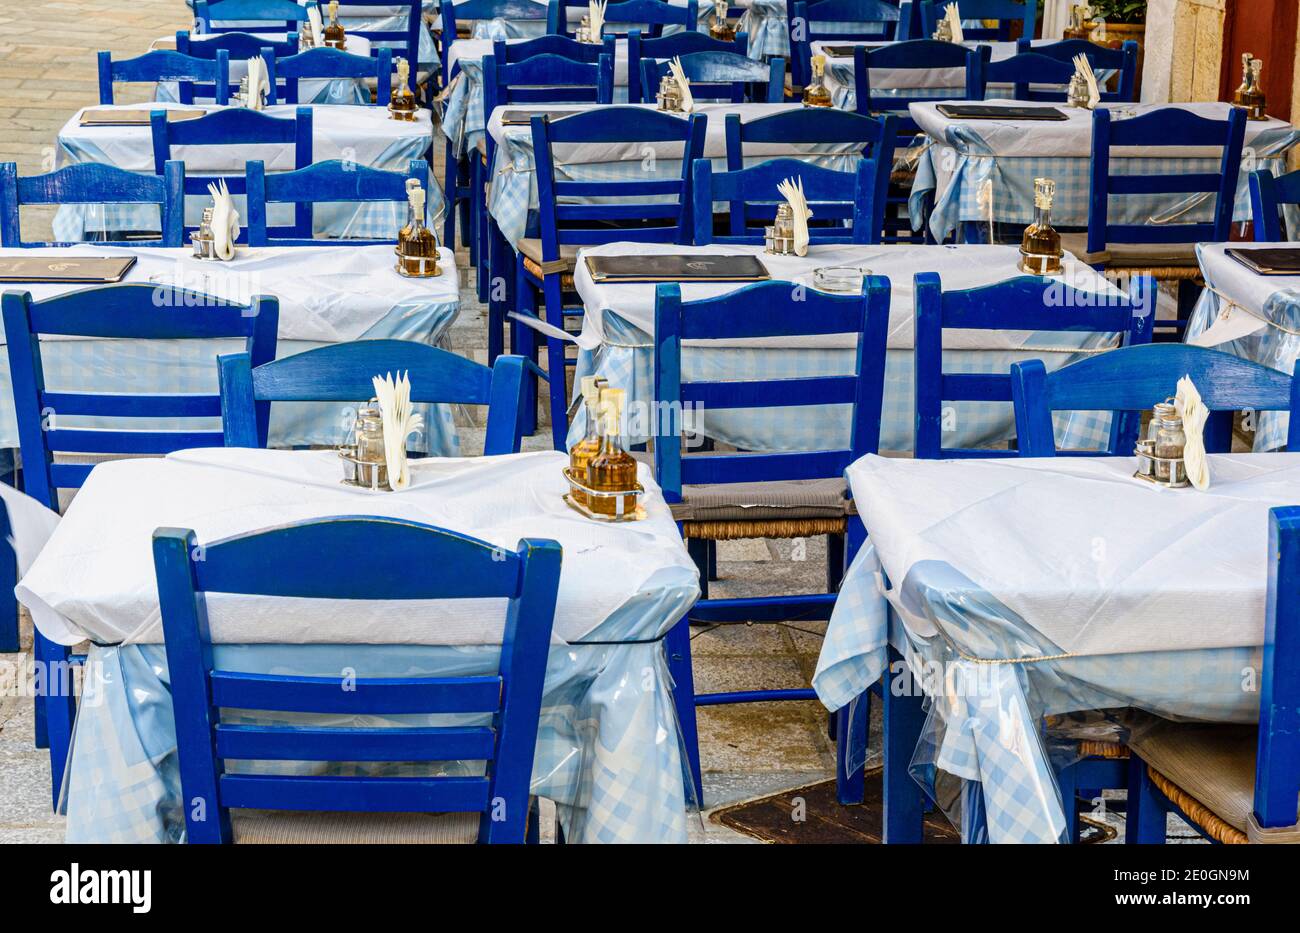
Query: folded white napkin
[
  {"x": 225, "y": 221},
  {"x": 1084, "y": 67},
  {"x": 596, "y": 18},
  {"x": 259, "y": 86},
  {"x": 1194, "y": 414},
  {"x": 954, "y": 20},
  {"x": 792, "y": 190},
  {"x": 679, "y": 75},
  {"x": 317, "y": 27},
  {"x": 400, "y": 422}
]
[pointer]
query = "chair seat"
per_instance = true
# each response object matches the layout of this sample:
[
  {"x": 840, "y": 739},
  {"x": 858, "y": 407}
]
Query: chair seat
[
  {"x": 1212, "y": 764},
  {"x": 292, "y": 827},
  {"x": 531, "y": 250},
  {"x": 1131, "y": 255}
]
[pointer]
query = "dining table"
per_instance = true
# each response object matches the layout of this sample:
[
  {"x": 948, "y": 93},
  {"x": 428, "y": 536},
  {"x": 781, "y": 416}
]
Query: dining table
[
  {"x": 618, "y": 328},
  {"x": 608, "y": 750},
  {"x": 981, "y": 171},
  {"x": 1254, "y": 316},
  {"x": 364, "y": 135},
  {"x": 1007, "y": 591},
  {"x": 327, "y": 294}
]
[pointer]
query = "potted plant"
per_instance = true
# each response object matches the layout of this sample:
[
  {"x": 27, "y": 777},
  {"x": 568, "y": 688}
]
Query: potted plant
[{"x": 1124, "y": 19}]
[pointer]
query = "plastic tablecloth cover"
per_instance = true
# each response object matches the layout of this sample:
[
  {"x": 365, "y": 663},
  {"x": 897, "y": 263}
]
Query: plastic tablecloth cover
[
  {"x": 608, "y": 751},
  {"x": 1020, "y": 589}
]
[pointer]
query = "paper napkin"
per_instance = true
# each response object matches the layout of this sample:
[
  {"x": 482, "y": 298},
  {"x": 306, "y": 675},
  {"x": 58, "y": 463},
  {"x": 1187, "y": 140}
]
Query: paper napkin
[
  {"x": 1084, "y": 67},
  {"x": 679, "y": 75},
  {"x": 317, "y": 27},
  {"x": 225, "y": 221},
  {"x": 596, "y": 18},
  {"x": 400, "y": 422},
  {"x": 792, "y": 190},
  {"x": 1194, "y": 414},
  {"x": 259, "y": 86},
  {"x": 954, "y": 20}
]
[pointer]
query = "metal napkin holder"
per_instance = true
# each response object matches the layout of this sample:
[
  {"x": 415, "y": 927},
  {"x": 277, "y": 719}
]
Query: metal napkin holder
[
  {"x": 365, "y": 474},
  {"x": 619, "y": 496},
  {"x": 1149, "y": 466}
]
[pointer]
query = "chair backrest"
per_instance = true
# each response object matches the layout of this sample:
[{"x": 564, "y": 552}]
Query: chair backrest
[
  {"x": 1268, "y": 196},
  {"x": 342, "y": 372},
  {"x": 481, "y": 10},
  {"x": 752, "y": 198},
  {"x": 1133, "y": 379},
  {"x": 399, "y": 34},
  {"x": 877, "y": 21},
  {"x": 142, "y": 312},
  {"x": 1168, "y": 127},
  {"x": 654, "y": 15},
  {"x": 1006, "y": 12},
  {"x": 641, "y": 49},
  {"x": 1027, "y": 72},
  {"x": 240, "y": 46},
  {"x": 767, "y": 309},
  {"x": 873, "y": 138},
  {"x": 93, "y": 183},
  {"x": 509, "y": 53},
  {"x": 1026, "y": 303},
  {"x": 724, "y": 76},
  {"x": 279, "y": 15},
  {"x": 1122, "y": 61},
  {"x": 924, "y": 54},
  {"x": 235, "y": 126},
  {"x": 547, "y": 79},
  {"x": 663, "y": 215},
  {"x": 1277, "y": 761},
  {"x": 330, "y": 63},
  {"x": 166, "y": 65},
  {"x": 323, "y": 183},
  {"x": 317, "y": 559}
]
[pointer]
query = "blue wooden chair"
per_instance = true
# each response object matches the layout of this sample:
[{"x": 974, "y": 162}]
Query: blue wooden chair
[
  {"x": 1233, "y": 783},
  {"x": 649, "y": 210},
  {"x": 234, "y": 127},
  {"x": 649, "y": 15},
  {"x": 877, "y": 21},
  {"x": 401, "y": 38},
  {"x": 330, "y": 63},
  {"x": 1134, "y": 379},
  {"x": 1027, "y": 72},
  {"x": 1027, "y": 303},
  {"x": 165, "y": 65},
  {"x": 1268, "y": 197},
  {"x": 1165, "y": 250},
  {"x": 343, "y": 372},
  {"x": 640, "y": 49},
  {"x": 115, "y": 311},
  {"x": 240, "y": 46},
  {"x": 752, "y": 199},
  {"x": 876, "y": 136},
  {"x": 94, "y": 183},
  {"x": 317, "y": 560},
  {"x": 515, "y": 11},
  {"x": 915, "y": 54},
  {"x": 323, "y": 183},
  {"x": 228, "y": 15},
  {"x": 1122, "y": 61},
  {"x": 1007, "y": 13},
  {"x": 726, "y": 76},
  {"x": 790, "y": 494}
]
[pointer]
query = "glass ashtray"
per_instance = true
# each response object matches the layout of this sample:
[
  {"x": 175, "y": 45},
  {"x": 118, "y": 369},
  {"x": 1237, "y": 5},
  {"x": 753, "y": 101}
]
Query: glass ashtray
[{"x": 843, "y": 280}]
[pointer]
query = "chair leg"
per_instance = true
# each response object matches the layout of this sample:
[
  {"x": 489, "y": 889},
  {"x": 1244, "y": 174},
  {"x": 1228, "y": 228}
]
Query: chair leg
[
  {"x": 1146, "y": 818},
  {"x": 852, "y": 725},
  {"x": 698, "y": 549},
  {"x": 466, "y": 220},
  {"x": 904, "y": 719},
  {"x": 556, "y": 362},
  {"x": 59, "y": 704},
  {"x": 450, "y": 185},
  {"x": 713, "y": 560},
  {"x": 834, "y": 562},
  {"x": 677, "y": 644},
  {"x": 500, "y": 290},
  {"x": 525, "y": 344},
  {"x": 8, "y": 580}
]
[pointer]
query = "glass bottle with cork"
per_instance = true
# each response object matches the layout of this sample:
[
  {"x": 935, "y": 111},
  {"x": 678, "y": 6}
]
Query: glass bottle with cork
[
  {"x": 816, "y": 94},
  {"x": 417, "y": 246},
  {"x": 333, "y": 35},
  {"x": 402, "y": 105},
  {"x": 719, "y": 27},
  {"x": 586, "y": 449},
  {"x": 1040, "y": 248},
  {"x": 1079, "y": 27},
  {"x": 1252, "y": 97},
  {"x": 612, "y": 469}
]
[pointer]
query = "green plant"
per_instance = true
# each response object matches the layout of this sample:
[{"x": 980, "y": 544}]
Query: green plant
[{"x": 1119, "y": 11}]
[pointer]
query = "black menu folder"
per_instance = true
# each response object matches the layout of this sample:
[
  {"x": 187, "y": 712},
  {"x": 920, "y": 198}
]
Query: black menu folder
[
  {"x": 985, "y": 112},
  {"x": 1275, "y": 261},
  {"x": 691, "y": 267},
  {"x": 80, "y": 270},
  {"x": 524, "y": 117},
  {"x": 120, "y": 116}
]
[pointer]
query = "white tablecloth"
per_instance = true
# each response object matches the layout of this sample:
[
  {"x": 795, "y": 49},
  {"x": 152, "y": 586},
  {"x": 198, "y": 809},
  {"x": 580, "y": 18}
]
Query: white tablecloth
[{"x": 96, "y": 578}]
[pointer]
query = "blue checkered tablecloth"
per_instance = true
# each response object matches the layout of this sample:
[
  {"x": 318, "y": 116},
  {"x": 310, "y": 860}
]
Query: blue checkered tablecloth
[
  {"x": 769, "y": 30},
  {"x": 608, "y": 750},
  {"x": 985, "y": 718}
]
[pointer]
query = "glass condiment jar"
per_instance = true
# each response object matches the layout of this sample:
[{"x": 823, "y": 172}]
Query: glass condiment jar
[
  {"x": 417, "y": 245},
  {"x": 586, "y": 449},
  {"x": 719, "y": 27},
  {"x": 816, "y": 93},
  {"x": 612, "y": 469},
  {"x": 778, "y": 239},
  {"x": 369, "y": 464},
  {"x": 1239, "y": 95},
  {"x": 333, "y": 34},
  {"x": 1166, "y": 430},
  {"x": 402, "y": 104},
  {"x": 1253, "y": 97},
  {"x": 669, "y": 96},
  {"x": 1040, "y": 247}
]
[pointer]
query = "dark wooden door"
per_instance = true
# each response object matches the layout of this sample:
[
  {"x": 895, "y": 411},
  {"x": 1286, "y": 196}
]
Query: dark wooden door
[{"x": 1266, "y": 29}]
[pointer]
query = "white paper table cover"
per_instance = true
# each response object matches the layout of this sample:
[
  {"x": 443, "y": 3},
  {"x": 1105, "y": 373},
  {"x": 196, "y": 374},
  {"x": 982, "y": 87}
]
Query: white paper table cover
[
  {"x": 327, "y": 294},
  {"x": 97, "y": 573},
  {"x": 1117, "y": 601},
  {"x": 1262, "y": 323}
]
